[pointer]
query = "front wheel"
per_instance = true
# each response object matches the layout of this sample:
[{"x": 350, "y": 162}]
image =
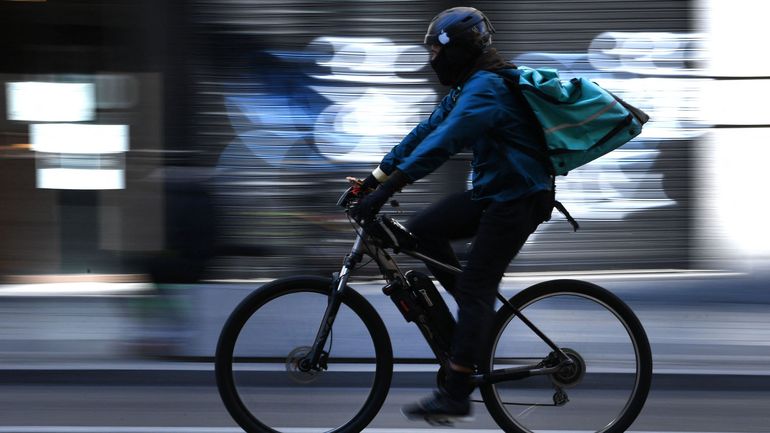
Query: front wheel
[
  {"x": 605, "y": 386},
  {"x": 259, "y": 360}
]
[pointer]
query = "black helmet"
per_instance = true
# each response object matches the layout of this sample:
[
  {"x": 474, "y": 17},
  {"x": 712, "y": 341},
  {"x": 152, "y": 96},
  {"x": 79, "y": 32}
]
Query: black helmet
[{"x": 460, "y": 24}]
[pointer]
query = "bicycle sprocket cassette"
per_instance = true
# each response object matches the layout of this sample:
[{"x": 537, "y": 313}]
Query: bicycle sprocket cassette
[{"x": 570, "y": 375}]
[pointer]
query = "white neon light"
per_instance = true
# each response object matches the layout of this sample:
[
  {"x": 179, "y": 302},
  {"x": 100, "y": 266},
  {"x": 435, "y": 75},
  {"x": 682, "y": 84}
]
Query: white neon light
[
  {"x": 674, "y": 104},
  {"x": 669, "y": 82},
  {"x": 737, "y": 176},
  {"x": 79, "y": 138},
  {"x": 80, "y": 288},
  {"x": 50, "y": 102},
  {"x": 80, "y": 178},
  {"x": 88, "y": 141},
  {"x": 646, "y": 53},
  {"x": 362, "y": 124},
  {"x": 737, "y": 102},
  {"x": 370, "y": 60},
  {"x": 732, "y": 169},
  {"x": 736, "y": 35},
  {"x": 602, "y": 189}
]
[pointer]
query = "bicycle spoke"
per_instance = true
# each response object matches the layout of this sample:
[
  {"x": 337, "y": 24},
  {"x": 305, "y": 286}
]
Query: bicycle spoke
[
  {"x": 272, "y": 333},
  {"x": 272, "y": 382},
  {"x": 590, "y": 393}
]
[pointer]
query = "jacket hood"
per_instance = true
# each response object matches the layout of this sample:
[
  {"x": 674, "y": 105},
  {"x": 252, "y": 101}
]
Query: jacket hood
[{"x": 489, "y": 60}]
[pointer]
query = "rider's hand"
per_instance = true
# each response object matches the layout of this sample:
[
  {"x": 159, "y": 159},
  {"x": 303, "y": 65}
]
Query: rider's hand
[
  {"x": 369, "y": 205},
  {"x": 369, "y": 184},
  {"x": 364, "y": 187}
]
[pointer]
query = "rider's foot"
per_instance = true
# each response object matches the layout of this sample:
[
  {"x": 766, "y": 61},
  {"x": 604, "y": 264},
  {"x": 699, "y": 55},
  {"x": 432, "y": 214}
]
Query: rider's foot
[{"x": 439, "y": 409}]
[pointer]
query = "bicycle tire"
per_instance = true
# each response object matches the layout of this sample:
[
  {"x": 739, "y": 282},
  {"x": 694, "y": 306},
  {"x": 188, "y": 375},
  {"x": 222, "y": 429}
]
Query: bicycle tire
[
  {"x": 538, "y": 415},
  {"x": 259, "y": 299}
]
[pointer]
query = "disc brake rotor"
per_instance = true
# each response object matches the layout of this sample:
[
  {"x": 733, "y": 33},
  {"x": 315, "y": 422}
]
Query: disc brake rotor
[{"x": 293, "y": 366}]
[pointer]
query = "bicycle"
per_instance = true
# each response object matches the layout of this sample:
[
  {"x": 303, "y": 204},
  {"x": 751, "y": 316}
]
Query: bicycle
[{"x": 579, "y": 359}]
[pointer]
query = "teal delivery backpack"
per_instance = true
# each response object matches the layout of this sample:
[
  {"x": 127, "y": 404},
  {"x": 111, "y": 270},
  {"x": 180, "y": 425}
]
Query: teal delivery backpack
[{"x": 581, "y": 121}]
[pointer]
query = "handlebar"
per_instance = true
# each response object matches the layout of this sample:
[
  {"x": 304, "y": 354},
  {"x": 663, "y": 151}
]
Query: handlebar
[
  {"x": 350, "y": 197},
  {"x": 384, "y": 230}
]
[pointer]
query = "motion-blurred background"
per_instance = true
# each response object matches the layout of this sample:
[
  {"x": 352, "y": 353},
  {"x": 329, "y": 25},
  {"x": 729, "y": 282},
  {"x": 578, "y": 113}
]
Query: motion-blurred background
[
  {"x": 210, "y": 139},
  {"x": 158, "y": 156}
]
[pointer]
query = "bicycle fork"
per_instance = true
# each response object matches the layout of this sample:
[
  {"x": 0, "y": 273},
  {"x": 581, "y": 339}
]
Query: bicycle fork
[{"x": 316, "y": 358}]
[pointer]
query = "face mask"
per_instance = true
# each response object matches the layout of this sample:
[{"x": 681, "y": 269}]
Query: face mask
[{"x": 452, "y": 63}]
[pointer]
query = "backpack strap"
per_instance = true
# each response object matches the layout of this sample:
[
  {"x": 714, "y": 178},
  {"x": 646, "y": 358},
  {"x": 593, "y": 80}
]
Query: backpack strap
[
  {"x": 539, "y": 155},
  {"x": 561, "y": 208}
]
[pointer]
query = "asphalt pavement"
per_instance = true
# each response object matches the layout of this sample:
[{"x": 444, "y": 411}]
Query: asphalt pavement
[
  {"x": 697, "y": 323},
  {"x": 92, "y": 363}
]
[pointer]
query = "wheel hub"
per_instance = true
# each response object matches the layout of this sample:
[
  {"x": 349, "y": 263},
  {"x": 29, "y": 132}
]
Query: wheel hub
[
  {"x": 298, "y": 366},
  {"x": 571, "y": 373}
]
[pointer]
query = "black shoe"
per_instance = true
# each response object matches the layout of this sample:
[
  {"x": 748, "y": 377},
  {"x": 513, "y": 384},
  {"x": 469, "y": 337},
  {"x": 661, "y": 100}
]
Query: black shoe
[{"x": 439, "y": 409}]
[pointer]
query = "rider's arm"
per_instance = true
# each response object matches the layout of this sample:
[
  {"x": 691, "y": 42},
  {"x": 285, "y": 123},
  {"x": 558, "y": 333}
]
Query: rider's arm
[
  {"x": 414, "y": 138},
  {"x": 476, "y": 111}
]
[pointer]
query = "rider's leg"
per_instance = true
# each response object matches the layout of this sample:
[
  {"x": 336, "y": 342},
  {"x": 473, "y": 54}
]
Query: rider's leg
[
  {"x": 503, "y": 230},
  {"x": 456, "y": 216}
]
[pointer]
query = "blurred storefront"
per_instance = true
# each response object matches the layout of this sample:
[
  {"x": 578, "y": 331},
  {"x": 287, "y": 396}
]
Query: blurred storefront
[{"x": 228, "y": 127}]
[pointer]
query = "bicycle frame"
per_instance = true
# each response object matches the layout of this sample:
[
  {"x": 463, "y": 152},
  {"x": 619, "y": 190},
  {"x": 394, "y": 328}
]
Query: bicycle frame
[
  {"x": 391, "y": 272},
  {"x": 508, "y": 347}
]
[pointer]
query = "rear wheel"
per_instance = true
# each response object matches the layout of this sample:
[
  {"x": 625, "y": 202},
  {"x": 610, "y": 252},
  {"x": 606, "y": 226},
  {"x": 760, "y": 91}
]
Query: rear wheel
[
  {"x": 605, "y": 386},
  {"x": 262, "y": 369}
]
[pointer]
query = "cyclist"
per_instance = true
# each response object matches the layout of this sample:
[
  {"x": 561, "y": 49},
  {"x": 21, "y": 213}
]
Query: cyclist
[{"x": 511, "y": 190}]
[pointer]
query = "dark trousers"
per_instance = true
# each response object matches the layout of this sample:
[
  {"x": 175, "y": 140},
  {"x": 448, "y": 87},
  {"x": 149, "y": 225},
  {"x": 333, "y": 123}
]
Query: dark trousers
[{"x": 500, "y": 230}]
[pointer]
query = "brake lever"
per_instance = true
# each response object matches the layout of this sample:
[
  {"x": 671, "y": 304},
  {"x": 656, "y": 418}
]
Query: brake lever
[{"x": 345, "y": 198}]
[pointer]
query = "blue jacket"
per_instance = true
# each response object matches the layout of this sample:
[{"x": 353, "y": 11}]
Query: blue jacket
[{"x": 486, "y": 117}]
